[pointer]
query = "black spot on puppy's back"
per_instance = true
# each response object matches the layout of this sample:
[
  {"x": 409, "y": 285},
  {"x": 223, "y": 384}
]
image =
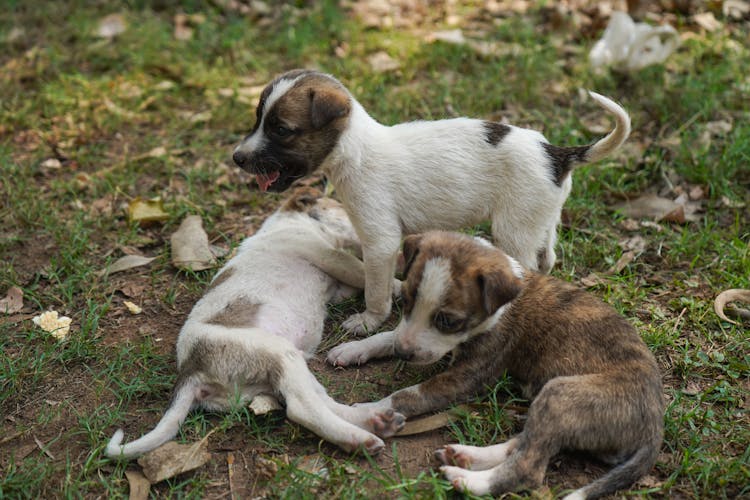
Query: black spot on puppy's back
[{"x": 494, "y": 132}]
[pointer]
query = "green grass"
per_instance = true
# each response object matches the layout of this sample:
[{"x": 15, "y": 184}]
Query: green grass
[{"x": 100, "y": 106}]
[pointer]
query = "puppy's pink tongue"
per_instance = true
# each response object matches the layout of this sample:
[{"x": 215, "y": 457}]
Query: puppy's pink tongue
[{"x": 265, "y": 180}]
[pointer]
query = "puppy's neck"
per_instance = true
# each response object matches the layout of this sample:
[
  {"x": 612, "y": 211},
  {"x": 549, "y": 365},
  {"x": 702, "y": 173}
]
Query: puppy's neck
[{"x": 362, "y": 136}]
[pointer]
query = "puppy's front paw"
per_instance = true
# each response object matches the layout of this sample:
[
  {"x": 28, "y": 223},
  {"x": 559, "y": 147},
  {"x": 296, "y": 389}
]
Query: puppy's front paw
[
  {"x": 387, "y": 423},
  {"x": 348, "y": 353},
  {"x": 452, "y": 455},
  {"x": 372, "y": 446},
  {"x": 362, "y": 324},
  {"x": 467, "y": 481}
]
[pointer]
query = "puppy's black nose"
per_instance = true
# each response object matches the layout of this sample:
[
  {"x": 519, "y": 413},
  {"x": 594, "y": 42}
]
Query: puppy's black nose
[
  {"x": 239, "y": 158},
  {"x": 406, "y": 356}
]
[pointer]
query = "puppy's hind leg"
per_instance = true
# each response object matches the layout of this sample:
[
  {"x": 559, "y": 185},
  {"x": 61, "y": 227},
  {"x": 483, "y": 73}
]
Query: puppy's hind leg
[
  {"x": 305, "y": 406},
  {"x": 520, "y": 242}
]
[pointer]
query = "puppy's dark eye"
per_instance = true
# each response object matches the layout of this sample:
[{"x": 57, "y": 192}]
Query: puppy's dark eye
[
  {"x": 448, "y": 323},
  {"x": 283, "y": 131}
]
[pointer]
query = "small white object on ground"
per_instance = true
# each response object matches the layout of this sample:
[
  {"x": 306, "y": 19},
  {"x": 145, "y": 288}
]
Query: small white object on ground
[
  {"x": 632, "y": 46},
  {"x": 49, "y": 321}
]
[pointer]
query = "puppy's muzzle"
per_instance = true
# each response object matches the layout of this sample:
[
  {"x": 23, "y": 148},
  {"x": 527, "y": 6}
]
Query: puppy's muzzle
[
  {"x": 241, "y": 158},
  {"x": 401, "y": 354}
]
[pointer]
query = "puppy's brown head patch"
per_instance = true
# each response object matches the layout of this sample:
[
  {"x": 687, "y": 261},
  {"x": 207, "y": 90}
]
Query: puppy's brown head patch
[
  {"x": 481, "y": 278},
  {"x": 300, "y": 117}
]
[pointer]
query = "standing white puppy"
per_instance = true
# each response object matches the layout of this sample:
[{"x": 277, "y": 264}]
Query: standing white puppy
[
  {"x": 413, "y": 177},
  {"x": 260, "y": 318}
]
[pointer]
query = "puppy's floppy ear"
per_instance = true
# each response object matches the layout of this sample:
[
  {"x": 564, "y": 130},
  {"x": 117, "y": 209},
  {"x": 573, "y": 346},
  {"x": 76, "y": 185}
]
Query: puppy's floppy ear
[
  {"x": 302, "y": 199},
  {"x": 326, "y": 105},
  {"x": 497, "y": 288},
  {"x": 411, "y": 249}
]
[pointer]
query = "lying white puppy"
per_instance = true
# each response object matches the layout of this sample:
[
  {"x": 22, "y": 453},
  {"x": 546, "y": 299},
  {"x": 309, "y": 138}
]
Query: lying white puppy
[{"x": 259, "y": 320}]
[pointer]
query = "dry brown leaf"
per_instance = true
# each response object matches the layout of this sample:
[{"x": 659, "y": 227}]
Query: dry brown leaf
[
  {"x": 313, "y": 464},
  {"x": 13, "y": 301},
  {"x": 190, "y": 248},
  {"x": 182, "y": 31},
  {"x": 132, "y": 290},
  {"x": 651, "y": 206},
  {"x": 592, "y": 279},
  {"x": 719, "y": 127},
  {"x": 110, "y": 26},
  {"x": 625, "y": 259},
  {"x": 635, "y": 243},
  {"x": 729, "y": 203},
  {"x": 146, "y": 211},
  {"x": 119, "y": 110},
  {"x": 707, "y": 21},
  {"x": 139, "y": 485},
  {"x": 433, "y": 422},
  {"x": 381, "y": 62},
  {"x": 125, "y": 263},
  {"x": 172, "y": 459},
  {"x": 732, "y": 295}
]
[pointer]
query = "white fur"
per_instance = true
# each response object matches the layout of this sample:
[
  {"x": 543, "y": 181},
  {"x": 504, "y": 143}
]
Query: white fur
[
  {"x": 516, "y": 267},
  {"x": 576, "y": 495},
  {"x": 443, "y": 174},
  {"x": 292, "y": 267},
  {"x": 258, "y": 140}
]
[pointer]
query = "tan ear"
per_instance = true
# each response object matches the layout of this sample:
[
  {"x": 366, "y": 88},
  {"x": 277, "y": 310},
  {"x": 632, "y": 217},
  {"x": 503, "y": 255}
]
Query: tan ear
[
  {"x": 411, "y": 249},
  {"x": 302, "y": 199},
  {"x": 497, "y": 288},
  {"x": 327, "y": 105}
]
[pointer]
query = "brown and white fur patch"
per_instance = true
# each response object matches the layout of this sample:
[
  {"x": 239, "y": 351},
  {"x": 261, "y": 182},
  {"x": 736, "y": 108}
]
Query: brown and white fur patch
[
  {"x": 259, "y": 320},
  {"x": 418, "y": 176},
  {"x": 595, "y": 385}
]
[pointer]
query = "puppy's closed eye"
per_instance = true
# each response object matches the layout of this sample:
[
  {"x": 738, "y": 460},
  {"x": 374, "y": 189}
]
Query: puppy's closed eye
[{"x": 448, "y": 323}]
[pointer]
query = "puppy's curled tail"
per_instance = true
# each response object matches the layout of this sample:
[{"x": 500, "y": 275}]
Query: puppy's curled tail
[
  {"x": 185, "y": 394},
  {"x": 614, "y": 139},
  {"x": 621, "y": 476}
]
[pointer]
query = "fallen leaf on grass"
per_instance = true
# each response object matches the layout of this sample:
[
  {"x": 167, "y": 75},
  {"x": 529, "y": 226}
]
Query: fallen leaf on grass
[
  {"x": 50, "y": 321},
  {"x": 139, "y": 485},
  {"x": 313, "y": 464},
  {"x": 433, "y": 422},
  {"x": 651, "y": 206},
  {"x": 190, "y": 248},
  {"x": 125, "y": 263},
  {"x": 110, "y": 26},
  {"x": 707, "y": 21},
  {"x": 727, "y": 296},
  {"x": 172, "y": 459},
  {"x": 146, "y": 211},
  {"x": 182, "y": 31},
  {"x": 592, "y": 280},
  {"x": 13, "y": 301},
  {"x": 381, "y": 62}
]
